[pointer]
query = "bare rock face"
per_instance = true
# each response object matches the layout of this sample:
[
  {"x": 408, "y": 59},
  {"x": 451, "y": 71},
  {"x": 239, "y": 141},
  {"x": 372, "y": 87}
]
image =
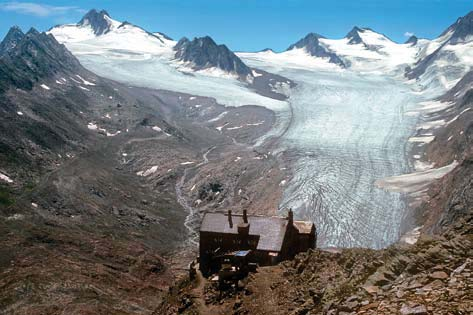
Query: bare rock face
[
  {"x": 412, "y": 40},
  {"x": 11, "y": 40},
  {"x": 204, "y": 53},
  {"x": 34, "y": 56},
  {"x": 315, "y": 48},
  {"x": 99, "y": 21},
  {"x": 461, "y": 30},
  {"x": 354, "y": 36}
]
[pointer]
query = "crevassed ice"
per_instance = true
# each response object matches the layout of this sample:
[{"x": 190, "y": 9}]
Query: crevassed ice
[{"x": 347, "y": 131}]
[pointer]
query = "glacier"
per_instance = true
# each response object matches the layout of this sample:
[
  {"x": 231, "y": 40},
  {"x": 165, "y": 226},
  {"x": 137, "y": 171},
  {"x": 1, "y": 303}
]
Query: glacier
[
  {"x": 343, "y": 131},
  {"x": 347, "y": 131}
]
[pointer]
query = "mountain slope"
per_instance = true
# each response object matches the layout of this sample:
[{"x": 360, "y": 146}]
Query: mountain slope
[
  {"x": 100, "y": 22},
  {"x": 312, "y": 45},
  {"x": 445, "y": 60},
  {"x": 13, "y": 37},
  {"x": 35, "y": 56},
  {"x": 362, "y": 50},
  {"x": 203, "y": 53},
  {"x": 97, "y": 31},
  {"x": 413, "y": 40},
  {"x": 366, "y": 50},
  {"x": 88, "y": 175}
]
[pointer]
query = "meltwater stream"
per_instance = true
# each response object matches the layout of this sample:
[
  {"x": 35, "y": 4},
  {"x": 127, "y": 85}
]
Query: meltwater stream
[{"x": 347, "y": 131}]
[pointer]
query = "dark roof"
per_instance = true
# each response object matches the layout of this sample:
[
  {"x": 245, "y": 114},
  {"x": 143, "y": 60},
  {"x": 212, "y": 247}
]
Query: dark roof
[{"x": 271, "y": 230}]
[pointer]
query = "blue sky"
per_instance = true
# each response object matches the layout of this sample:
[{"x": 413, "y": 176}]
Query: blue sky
[{"x": 248, "y": 25}]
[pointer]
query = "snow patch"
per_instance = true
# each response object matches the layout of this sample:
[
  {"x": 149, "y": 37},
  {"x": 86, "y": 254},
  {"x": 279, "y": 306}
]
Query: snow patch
[
  {"x": 256, "y": 124},
  {"x": 113, "y": 134},
  {"x": 148, "y": 172},
  {"x": 256, "y": 74},
  {"x": 235, "y": 128},
  {"x": 5, "y": 178},
  {"x": 44, "y": 86},
  {"x": 223, "y": 114},
  {"x": 422, "y": 139},
  {"x": 92, "y": 126},
  {"x": 414, "y": 181},
  {"x": 85, "y": 81},
  {"x": 221, "y": 127}
]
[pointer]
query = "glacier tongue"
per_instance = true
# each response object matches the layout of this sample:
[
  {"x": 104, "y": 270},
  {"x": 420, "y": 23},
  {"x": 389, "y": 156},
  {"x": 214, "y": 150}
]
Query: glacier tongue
[
  {"x": 347, "y": 131},
  {"x": 160, "y": 73}
]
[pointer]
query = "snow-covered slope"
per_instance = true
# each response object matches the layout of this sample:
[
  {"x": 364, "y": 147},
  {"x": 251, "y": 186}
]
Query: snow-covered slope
[
  {"x": 127, "y": 53},
  {"x": 297, "y": 58},
  {"x": 98, "y": 33},
  {"x": 203, "y": 54},
  {"x": 367, "y": 50},
  {"x": 362, "y": 50},
  {"x": 445, "y": 60},
  {"x": 313, "y": 46}
]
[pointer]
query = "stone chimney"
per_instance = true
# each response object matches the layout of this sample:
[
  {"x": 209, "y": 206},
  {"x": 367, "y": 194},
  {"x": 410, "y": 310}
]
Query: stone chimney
[
  {"x": 290, "y": 217},
  {"x": 245, "y": 216},
  {"x": 230, "y": 220},
  {"x": 244, "y": 227}
]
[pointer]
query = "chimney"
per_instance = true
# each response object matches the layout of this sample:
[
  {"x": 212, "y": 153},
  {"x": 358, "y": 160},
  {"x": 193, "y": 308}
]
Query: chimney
[
  {"x": 290, "y": 217},
  {"x": 244, "y": 227},
  {"x": 245, "y": 216},
  {"x": 230, "y": 221}
]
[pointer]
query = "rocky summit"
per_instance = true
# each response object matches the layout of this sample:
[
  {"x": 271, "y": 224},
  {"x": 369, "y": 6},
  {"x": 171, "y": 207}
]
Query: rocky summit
[{"x": 204, "y": 53}]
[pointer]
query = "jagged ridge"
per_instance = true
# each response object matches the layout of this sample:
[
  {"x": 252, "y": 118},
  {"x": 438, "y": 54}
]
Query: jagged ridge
[
  {"x": 36, "y": 55},
  {"x": 204, "y": 53},
  {"x": 315, "y": 48}
]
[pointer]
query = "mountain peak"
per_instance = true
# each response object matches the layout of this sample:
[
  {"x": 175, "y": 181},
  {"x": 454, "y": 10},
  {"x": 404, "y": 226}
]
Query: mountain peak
[
  {"x": 32, "y": 32},
  {"x": 99, "y": 21},
  {"x": 204, "y": 53},
  {"x": 462, "y": 29},
  {"x": 311, "y": 43},
  {"x": 354, "y": 35},
  {"x": 11, "y": 40},
  {"x": 412, "y": 40},
  {"x": 37, "y": 55}
]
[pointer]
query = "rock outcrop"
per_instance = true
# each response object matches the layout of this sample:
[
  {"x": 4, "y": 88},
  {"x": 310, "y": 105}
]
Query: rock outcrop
[{"x": 203, "y": 53}]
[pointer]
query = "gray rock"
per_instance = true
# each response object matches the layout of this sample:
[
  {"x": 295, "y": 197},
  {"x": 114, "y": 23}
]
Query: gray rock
[
  {"x": 11, "y": 40},
  {"x": 413, "y": 40},
  {"x": 97, "y": 20},
  {"x": 204, "y": 53},
  {"x": 415, "y": 310},
  {"x": 315, "y": 48}
]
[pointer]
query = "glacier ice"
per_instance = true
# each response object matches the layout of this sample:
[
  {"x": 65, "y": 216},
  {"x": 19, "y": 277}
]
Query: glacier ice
[{"x": 347, "y": 131}]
